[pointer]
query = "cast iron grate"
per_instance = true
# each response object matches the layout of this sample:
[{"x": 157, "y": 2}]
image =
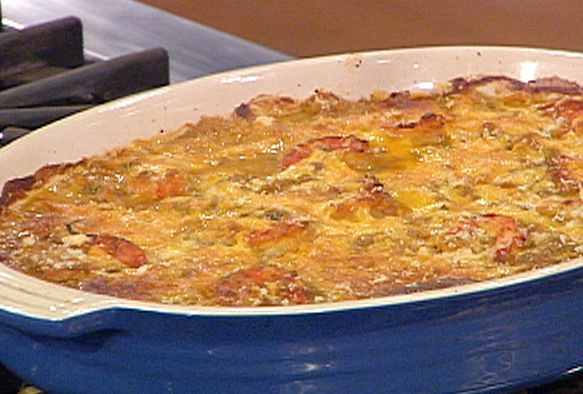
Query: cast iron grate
[{"x": 45, "y": 76}]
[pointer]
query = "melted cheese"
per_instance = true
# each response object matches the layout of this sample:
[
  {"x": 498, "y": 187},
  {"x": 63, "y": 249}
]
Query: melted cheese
[{"x": 289, "y": 201}]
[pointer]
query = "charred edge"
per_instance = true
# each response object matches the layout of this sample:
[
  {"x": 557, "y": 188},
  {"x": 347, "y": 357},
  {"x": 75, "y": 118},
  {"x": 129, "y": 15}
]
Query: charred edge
[
  {"x": 325, "y": 95},
  {"x": 408, "y": 125},
  {"x": 404, "y": 94},
  {"x": 428, "y": 119},
  {"x": 403, "y": 100},
  {"x": 547, "y": 84},
  {"x": 16, "y": 189},
  {"x": 461, "y": 84},
  {"x": 431, "y": 117},
  {"x": 286, "y": 99},
  {"x": 554, "y": 84},
  {"x": 45, "y": 173},
  {"x": 244, "y": 111}
]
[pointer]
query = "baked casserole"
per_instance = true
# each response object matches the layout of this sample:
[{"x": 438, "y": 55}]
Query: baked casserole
[{"x": 290, "y": 201}]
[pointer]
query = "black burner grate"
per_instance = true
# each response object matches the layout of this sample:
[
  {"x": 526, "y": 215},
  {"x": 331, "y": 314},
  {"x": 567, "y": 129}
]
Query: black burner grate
[{"x": 44, "y": 76}]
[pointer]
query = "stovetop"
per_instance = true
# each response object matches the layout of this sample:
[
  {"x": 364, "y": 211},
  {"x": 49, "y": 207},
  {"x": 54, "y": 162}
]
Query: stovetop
[
  {"x": 110, "y": 49},
  {"x": 45, "y": 75},
  {"x": 116, "y": 27}
]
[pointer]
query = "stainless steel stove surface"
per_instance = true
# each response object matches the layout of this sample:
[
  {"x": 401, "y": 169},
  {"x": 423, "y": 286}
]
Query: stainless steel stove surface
[{"x": 44, "y": 75}]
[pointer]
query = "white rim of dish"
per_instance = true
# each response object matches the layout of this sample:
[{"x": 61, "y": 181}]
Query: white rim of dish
[
  {"x": 81, "y": 303},
  {"x": 63, "y": 303}
]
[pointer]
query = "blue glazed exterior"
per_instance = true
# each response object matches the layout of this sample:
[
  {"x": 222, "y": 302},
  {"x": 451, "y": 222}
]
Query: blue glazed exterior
[
  {"x": 498, "y": 339},
  {"x": 503, "y": 337}
]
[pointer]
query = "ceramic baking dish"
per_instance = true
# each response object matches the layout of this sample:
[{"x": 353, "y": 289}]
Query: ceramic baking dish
[{"x": 503, "y": 334}]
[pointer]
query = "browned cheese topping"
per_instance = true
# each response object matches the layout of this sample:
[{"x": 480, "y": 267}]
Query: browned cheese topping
[{"x": 290, "y": 201}]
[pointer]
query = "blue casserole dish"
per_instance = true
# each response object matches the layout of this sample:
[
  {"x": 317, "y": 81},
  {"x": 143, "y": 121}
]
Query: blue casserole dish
[{"x": 498, "y": 335}]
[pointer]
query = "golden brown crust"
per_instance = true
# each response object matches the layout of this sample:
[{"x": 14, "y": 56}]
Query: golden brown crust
[
  {"x": 15, "y": 189},
  {"x": 289, "y": 201}
]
